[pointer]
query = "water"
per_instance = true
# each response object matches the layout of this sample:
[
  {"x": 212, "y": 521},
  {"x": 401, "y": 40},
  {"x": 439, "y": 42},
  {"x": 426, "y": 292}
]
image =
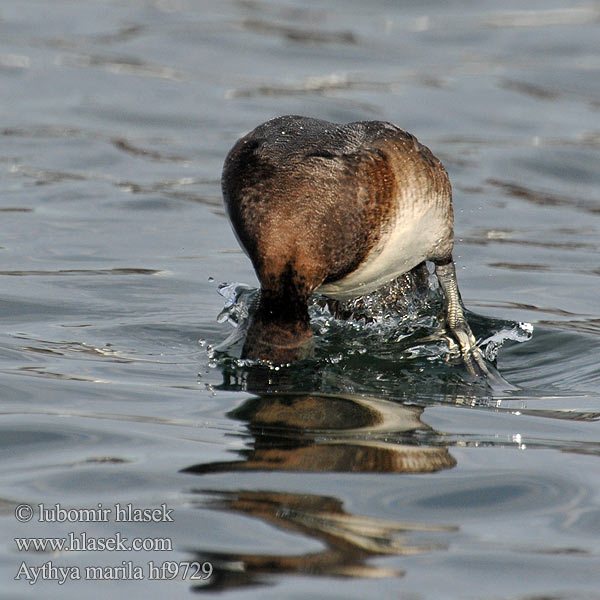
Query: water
[{"x": 364, "y": 472}]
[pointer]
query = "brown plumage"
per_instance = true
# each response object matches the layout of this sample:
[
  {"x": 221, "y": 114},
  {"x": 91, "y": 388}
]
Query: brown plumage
[{"x": 342, "y": 209}]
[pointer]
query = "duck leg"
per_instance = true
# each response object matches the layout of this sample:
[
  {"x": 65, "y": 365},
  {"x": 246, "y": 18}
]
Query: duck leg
[{"x": 455, "y": 319}]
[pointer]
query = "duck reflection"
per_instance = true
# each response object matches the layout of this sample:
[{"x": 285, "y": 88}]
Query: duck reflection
[
  {"x": 342, "y": 434},
  {"x": 349, "y": 540},
  {"x": 315, "y": 433}
]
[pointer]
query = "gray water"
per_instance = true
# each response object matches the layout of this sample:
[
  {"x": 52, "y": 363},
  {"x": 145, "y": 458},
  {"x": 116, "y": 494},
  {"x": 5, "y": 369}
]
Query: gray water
[{"x": 367, "y": 471}]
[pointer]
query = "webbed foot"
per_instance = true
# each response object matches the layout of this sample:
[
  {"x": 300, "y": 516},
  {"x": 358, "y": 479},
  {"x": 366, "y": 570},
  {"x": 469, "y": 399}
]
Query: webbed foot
[
  {"x": 460, "y": 336},
  {"x": 462, "y": 341}
]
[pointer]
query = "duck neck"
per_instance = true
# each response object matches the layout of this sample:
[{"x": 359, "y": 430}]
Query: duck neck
[{"x": 279, "y": 329}]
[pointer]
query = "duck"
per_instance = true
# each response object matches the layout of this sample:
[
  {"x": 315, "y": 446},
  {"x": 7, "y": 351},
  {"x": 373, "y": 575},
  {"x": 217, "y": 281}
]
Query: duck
[{"x": 340, "y": 210}]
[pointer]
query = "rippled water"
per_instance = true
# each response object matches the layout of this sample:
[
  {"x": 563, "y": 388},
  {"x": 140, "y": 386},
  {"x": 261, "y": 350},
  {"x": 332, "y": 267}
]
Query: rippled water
[{"x": 370, "y": 470}]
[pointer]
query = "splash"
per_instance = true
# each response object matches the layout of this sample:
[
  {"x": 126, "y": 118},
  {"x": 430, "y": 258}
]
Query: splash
[{"x": 401, "y": 321}]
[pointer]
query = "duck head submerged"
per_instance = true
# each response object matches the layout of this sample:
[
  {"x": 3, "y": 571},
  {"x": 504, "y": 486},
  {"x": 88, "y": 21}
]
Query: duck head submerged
[{"x": 342, "y": 210}]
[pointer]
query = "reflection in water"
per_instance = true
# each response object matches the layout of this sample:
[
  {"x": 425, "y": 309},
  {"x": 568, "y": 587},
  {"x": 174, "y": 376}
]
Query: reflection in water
[
  {"x": 312, "y": 433},
  {"x": 316, "y": 433},
  {"x": 349, "y": 540}
]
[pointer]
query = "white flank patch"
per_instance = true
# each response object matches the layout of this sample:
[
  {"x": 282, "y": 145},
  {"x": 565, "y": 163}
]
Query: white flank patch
[{"x": 411, "y": 239}]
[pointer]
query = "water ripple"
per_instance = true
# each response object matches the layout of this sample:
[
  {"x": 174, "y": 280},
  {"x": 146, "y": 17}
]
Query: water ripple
[
  {"x": 85, "y": 272},
  {"x": 545, "y": 198},
  {"x": 127, "y": 66},
  {"x": 300, "y": 35}
]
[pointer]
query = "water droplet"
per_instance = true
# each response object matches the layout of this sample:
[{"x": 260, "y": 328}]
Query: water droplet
[{"x": 211, "y": 279}]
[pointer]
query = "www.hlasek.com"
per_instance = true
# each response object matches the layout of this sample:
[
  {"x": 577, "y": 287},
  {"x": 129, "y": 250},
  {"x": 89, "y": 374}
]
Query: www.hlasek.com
[{"x": 193, "y": 571}]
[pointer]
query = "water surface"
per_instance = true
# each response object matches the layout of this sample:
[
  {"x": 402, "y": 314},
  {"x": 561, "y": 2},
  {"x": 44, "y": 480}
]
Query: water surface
[{"x": 364, "y": 472}]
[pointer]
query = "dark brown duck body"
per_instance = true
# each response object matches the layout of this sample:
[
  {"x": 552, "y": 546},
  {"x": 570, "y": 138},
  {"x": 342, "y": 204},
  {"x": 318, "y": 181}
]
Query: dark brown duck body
[{"x": 342, "y": 209}]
